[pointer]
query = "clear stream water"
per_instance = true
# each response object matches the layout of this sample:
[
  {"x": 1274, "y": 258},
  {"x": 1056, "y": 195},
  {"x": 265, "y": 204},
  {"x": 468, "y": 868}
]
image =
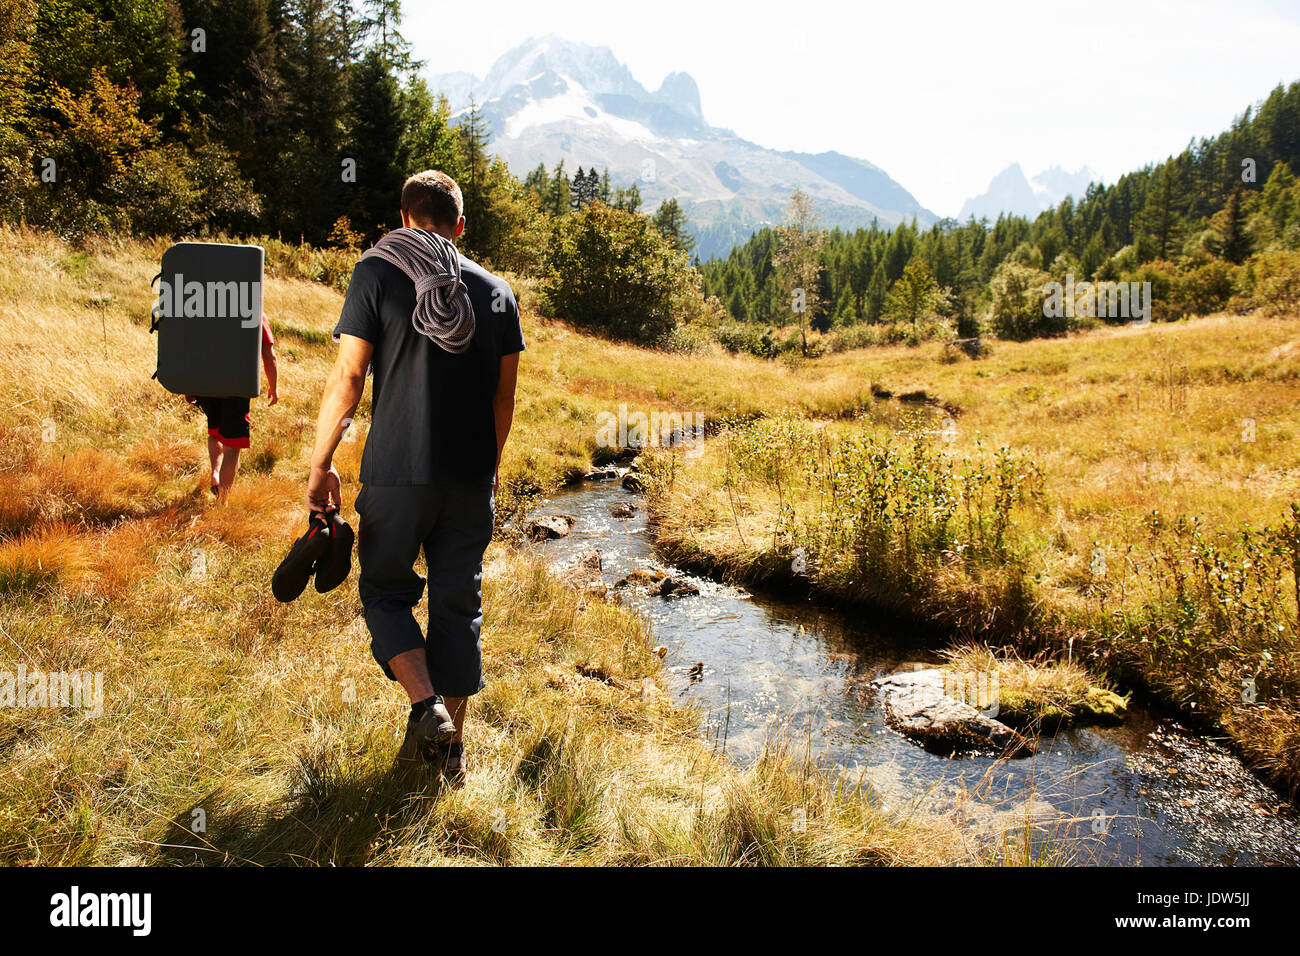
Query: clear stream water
[{"x": 1146, "y": 792}]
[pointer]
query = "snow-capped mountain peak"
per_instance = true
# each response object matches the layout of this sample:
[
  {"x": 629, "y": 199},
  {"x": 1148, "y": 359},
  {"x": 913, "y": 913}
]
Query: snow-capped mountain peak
[
  {"x": 549, "y": 100},
  {"x": 566, "y": 101},
  {"x": 593, "y": 67}
]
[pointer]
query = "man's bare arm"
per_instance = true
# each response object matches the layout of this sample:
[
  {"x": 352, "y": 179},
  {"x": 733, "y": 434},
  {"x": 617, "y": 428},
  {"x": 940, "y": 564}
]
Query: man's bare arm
[
  {"x": 343, "y": 390},
  {"x": 503, "y": 405}
]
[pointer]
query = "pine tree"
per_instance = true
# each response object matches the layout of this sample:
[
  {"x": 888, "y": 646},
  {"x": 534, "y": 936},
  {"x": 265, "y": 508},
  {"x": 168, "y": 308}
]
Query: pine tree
[
  {"x": 577, "y": 188},
  {"x": 1236, "y": 241},
  {"x": 897, "y": 253},
  {"x": 736, "y": 304},
  {"x": 234, "y": 74},
  {"x": 379, "y": 25},
  {"x": 559, "y": 192},
  {"x": 671, "y": 223},
  {"x": 1279, "y": 206},
  {"x": 479, "y": 185},
  {"x": 1094, "y": 254},
  {"x": 376, "y": 131},
  {"x": 1161, "y": 217},
  {"x": 585, "y": 188},
  {"x": 877, "y": 290},
  {"x": 305, "y": 185},
  {"x": 536, "y": 181},
  {"x": 629, "y": 199},
  {"x": 844, "y": 314}
]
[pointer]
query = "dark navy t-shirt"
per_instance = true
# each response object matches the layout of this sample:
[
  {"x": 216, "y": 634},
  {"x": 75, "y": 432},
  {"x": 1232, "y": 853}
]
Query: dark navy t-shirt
[{"x": 431, "y": 411}]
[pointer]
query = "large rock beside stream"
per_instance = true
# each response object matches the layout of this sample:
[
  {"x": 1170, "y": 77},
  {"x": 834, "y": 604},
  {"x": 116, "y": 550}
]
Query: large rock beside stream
[
  {"x": 555, "y": 526},
  {"x": 916, "y": 705}
]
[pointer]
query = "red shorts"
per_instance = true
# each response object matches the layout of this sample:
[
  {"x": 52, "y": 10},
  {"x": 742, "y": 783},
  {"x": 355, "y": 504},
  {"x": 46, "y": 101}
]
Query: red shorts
[{"x": 227, "y": 419}]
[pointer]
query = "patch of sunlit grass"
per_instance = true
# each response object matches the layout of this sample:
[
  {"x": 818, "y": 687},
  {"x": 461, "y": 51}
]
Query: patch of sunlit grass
[{"x": 33, "y": 563}]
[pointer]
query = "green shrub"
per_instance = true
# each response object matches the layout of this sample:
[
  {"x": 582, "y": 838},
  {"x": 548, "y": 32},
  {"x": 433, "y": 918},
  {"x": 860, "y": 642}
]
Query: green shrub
[
  {"x": 1275, "y": 282},
  {"x": 612, "y": 272},
  {"x": 746, "y": 337},
  {"x": 1201, "y": 289},
  {"x": 287, "y": 260},
  {"x": 860, "y": 336},
  {"x": 1160, "y": 273},
  {"x": 689, "y": 338},
  {"x": 1018, "y": 298},
  {"x": 1117, "y": 265},
  {"x": 968, "y": 325}
]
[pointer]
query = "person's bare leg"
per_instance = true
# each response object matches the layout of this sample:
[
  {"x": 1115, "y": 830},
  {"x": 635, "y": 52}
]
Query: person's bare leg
[
  {"x": 229, "y": 465},
  {"x": 458, "y": 707},
  {"x": 214, "y": 458},
  {"x": 411, "y": 669}
]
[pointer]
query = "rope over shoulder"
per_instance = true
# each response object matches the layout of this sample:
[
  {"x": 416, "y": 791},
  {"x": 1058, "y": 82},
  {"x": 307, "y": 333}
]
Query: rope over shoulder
[{"x": 443, "y": 312}]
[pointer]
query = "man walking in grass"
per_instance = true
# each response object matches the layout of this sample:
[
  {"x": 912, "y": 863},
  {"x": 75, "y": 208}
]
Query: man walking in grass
[{"x": 442, "y": 337}]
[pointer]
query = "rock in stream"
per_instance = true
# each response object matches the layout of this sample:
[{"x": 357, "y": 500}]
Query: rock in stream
[
  {"x": 554, "y": 526},
  {"x": 916, "y": 705},
  {"x": 587, "y": 574}
]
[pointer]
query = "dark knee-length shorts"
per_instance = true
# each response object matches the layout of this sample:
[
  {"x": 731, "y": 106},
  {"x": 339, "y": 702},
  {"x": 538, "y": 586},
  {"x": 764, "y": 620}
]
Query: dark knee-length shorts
[
  {"x": 453, "y": 525},
  {"x": 227, "y": 419}
]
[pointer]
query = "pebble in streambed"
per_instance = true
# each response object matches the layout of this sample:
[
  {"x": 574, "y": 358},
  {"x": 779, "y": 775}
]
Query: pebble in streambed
[{"x": 1196, "y": 783}]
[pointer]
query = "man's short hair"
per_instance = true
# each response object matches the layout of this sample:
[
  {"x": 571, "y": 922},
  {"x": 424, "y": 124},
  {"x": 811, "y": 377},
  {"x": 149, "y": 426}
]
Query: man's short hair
[{"x": 433, "y": 198}]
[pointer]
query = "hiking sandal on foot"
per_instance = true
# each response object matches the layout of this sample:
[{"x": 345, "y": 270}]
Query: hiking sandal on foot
[{"x": 426, "y": 734}]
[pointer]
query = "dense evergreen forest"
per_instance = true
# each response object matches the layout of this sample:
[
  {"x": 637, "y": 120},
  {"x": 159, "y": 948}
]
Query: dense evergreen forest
[{"x": 1185, "y": 223}]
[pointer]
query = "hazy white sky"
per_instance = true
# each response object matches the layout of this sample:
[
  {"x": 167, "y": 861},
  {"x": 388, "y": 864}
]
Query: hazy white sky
[{"x": 941, "y": 95}]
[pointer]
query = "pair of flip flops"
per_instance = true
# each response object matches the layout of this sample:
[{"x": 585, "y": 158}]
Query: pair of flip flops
[{"x": 324, "y": 552}]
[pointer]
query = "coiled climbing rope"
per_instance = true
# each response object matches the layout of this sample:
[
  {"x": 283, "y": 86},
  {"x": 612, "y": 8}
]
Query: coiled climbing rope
[{"x": 443, "y": 312}]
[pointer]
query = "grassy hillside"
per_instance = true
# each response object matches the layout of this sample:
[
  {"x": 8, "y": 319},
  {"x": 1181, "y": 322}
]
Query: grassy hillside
[{"x": 273, "y": 720}]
